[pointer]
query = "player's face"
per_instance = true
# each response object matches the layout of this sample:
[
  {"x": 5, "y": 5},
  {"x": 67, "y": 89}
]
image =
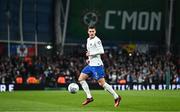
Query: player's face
[{"x": 92, "y": 32}]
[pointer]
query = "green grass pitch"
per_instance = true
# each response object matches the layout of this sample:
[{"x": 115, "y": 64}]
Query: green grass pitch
[{"x": 63, "y": 101}]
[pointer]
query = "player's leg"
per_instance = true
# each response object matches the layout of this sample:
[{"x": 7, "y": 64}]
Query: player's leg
[
  {"x": 106, "y": 86},
  {"x": 98, "y": 74},
  {"x": 82, "y": 80}
]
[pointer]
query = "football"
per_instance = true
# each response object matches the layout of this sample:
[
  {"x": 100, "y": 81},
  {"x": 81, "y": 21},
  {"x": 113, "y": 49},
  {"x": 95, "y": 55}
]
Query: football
[{"x": 73, "y": 88}]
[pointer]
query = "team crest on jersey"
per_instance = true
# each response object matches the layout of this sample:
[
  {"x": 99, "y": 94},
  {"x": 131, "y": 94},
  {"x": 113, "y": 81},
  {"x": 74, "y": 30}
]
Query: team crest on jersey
[
  {"x": 90, "y": 17},
  {"x": 99, "y": 42}
]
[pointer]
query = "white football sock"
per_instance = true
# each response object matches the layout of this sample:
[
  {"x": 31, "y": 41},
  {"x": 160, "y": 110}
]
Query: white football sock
[
  {"x": 86, "y": 88},
  {"x": 110, "y": 90}
]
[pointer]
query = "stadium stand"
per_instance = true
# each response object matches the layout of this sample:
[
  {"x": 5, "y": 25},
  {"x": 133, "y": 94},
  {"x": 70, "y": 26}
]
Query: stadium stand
[{"x": 120, "y": 68}]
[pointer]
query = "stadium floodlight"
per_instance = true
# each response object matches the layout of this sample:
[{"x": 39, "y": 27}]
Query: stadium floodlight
[
  {"x": 130, "y": 54},
  {"x": 48, "y": 47}
]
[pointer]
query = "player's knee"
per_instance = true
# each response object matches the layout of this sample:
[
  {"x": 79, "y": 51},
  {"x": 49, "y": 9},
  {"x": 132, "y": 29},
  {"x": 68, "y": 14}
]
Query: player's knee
[
  {"x": 79, "y": 79},
  {"x": 101, "y": 83},
  {"x": 82, "y": 77}
]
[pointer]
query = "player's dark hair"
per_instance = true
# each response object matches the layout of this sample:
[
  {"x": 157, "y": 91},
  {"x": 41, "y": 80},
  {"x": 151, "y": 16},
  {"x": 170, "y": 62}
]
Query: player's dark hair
[{"x": 91, "y": 27}]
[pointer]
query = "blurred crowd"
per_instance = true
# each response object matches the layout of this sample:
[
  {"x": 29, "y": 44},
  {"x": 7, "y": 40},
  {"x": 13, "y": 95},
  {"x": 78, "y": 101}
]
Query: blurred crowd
[
  {"x": 142, "y": 68},
  {"x": 130, "y": 67}
]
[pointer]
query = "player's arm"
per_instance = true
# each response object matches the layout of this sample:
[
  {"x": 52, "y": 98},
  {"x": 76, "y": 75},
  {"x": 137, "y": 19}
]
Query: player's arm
[{"x": 99, "y": 49}]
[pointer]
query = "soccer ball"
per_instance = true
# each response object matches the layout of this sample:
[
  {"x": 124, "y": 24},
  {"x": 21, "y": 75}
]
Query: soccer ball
[{"x": 73, "y": 88}]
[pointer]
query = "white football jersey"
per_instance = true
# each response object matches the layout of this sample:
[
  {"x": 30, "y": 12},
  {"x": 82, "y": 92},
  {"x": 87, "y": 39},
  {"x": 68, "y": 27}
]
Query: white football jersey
[{"x": 95, "y": 48}]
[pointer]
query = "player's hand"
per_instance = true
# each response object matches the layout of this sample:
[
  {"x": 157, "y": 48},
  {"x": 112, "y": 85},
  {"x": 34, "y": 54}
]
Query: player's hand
[{"x": 87, "y": 53}]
